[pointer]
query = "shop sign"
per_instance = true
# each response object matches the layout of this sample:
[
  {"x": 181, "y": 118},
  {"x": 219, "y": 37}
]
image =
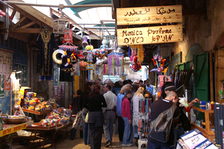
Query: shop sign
[
  {"x": 150, "y": 35},
  {"x": 149, "y": 15}
]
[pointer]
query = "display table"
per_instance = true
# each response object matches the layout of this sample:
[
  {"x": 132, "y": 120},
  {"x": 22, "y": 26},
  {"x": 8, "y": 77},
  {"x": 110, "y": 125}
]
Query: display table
[
  {"x": 12, "y": 128},
  {"x": 6, "y": 138},
  {"x": 36, "y": 115},
  {"x": 36, "y": 112},
  {"x": 206, "y": 130},
  {"x": 47, "y": 135}
]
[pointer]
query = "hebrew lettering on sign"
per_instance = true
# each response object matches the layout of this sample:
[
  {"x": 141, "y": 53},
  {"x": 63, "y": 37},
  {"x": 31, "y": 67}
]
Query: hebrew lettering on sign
[{"x": 150, "y": 35}]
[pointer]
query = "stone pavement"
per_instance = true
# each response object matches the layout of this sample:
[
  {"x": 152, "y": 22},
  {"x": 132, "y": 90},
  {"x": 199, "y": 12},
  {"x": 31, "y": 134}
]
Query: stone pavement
[{"x": 77, "y": 143}]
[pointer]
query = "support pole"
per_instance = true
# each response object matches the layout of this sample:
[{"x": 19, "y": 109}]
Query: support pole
[{"x": 59, "y": 6}]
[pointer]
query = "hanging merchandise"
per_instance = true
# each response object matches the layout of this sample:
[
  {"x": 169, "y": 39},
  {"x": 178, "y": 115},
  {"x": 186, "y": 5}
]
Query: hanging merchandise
[
  {"x": 66, "y": 56},
  {"x": 60, "y": 25},
  {"x": 135, "y": 66},
  {"x": 144, "y": 112},
  {"x": 90, "y": 66},
  {"x": 133, "y": 54},
  {"x": 105, "y": 43},
  {"x": 76, "y": 69},
  {"x": 138, "y": 51},
  {"x": 68, "y": 36},
  {"x": 159, "y": 64},
  {"x": 84, "y": 41},
  {"x": 115, "y": 63},
  {"x": 46, "y": 36},
  {"x": 57, "y": 56},
  {"x": 89, "y": 56},
  {"x": 83, "y": 65}
]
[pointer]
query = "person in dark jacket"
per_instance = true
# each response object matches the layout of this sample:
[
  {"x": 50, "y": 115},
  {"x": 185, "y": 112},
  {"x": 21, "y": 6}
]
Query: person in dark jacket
[
  {"x": 76, "y": 103},
  {"x": 179, "y": 125},
  {"x": 87, "y": 90},
  {"x": 95, "y": 117}
]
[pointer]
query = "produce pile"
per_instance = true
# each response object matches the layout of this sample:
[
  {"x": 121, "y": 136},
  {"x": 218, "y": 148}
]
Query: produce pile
[
  {"x": 31, "y": 102},
  {"x": 57, "y": 117}
]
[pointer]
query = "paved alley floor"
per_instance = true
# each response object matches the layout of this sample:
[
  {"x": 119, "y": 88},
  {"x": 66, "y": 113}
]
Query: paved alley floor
[{"x": 76, "y": 144}]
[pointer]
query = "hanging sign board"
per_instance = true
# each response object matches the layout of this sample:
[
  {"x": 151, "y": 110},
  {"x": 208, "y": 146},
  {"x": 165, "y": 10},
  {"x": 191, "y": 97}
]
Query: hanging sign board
[
  {"x": 150, "y": 35},
  {"x": 149, "y": 15}
]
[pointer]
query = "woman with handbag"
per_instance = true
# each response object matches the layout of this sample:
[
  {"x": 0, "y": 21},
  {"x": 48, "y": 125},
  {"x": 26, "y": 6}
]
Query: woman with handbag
[{"x": 95, "y": 116}]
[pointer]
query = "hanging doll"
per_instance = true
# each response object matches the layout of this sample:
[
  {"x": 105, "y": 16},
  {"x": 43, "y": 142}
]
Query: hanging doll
[{"x": 135, "y": 66}]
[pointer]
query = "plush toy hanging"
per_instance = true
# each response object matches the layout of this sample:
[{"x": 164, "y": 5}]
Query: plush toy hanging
[
  {"x": 159, "y": 63},
  {"x": 135, "y": 66}
]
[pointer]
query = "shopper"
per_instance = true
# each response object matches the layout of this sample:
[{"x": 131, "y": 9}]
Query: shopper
[
  {"x": 94, "y": 105},
  {"x": 117, "y": 87},
  {"x": 127, "y": 87},
  {"x": 136, "y": 111},
  {"x": 179, "y": 120},
  {"x": 109, "y": 114},
  {"x": 168, "y": 86},
  {"x": 126, "y": 115},
  {"x": 76, "y": 102},
  {"x": 76, "y": 107},
  {"x": 86, "y": 95}
]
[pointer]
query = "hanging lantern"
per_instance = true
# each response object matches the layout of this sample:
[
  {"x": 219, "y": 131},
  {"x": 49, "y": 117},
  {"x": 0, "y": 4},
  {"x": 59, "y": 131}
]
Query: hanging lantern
[{"x": 60, "y": 25}]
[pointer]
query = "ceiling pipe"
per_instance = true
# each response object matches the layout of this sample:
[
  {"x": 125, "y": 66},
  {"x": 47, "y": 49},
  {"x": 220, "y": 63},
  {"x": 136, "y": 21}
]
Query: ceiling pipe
[{"x": 58, "y": 6}]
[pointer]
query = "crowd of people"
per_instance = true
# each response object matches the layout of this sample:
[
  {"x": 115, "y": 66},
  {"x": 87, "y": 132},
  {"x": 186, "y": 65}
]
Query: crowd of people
[{"x": 103, "y": 105}]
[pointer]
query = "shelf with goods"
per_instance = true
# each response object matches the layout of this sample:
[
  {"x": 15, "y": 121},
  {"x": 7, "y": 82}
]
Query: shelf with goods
[{"x": 206, "y": 125}]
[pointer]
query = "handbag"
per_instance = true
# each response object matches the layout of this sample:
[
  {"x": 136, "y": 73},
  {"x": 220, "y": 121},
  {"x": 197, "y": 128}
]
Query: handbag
[{"x": 87, "y": 117}]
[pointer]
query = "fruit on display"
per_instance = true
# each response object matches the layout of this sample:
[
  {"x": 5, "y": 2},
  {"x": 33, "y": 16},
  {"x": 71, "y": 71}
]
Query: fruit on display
[
  {"x": 31, "y": 102},
  {"x": 57, "y": 117}
]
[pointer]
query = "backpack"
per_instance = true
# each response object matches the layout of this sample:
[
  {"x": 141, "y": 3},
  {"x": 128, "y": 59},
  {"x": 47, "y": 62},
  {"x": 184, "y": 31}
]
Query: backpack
[{"x": 161, "y": 126}]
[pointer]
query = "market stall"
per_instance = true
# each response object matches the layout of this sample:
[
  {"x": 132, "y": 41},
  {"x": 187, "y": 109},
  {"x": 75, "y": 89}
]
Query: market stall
[
  {"x": 56, "y": 122},
  {"x": 49, "y": 118}
]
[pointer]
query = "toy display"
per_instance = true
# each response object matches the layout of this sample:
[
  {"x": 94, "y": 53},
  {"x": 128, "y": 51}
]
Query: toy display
[{"x": 68, "y": 56}]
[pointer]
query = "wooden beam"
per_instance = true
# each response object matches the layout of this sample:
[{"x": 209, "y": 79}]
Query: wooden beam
[
  {"x": 24, "y": 37},
  {"x": 27, "y": 25},
  {"x": 28, "y": 30},
  {"x": 32, "y": 13},
  {"x": 18, "y": 23},
  {"x": 13, "y": 14}
]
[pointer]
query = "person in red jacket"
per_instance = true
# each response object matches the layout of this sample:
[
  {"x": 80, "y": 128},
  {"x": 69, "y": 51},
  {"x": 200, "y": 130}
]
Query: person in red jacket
[{"x": 126, "y": 115}]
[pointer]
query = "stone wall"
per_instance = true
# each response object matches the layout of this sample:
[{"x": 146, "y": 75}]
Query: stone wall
[{"x": 202, "y": 29}]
